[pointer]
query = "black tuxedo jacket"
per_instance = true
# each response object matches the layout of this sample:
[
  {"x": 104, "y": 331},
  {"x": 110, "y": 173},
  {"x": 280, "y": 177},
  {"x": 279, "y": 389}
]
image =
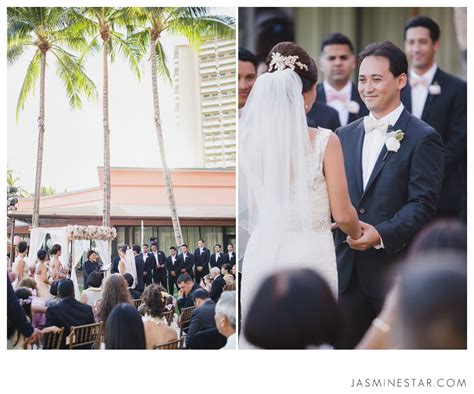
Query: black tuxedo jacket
[
  {"x": 115, "y": 263},
  {"x": 447, "y": 114},
  {"x": 217, "y": 263},
  {"x": 202, "y": 260},
  {"x": 400, "y": 197},
  {"x": 187, "y": 263},
  {"x": 363, "y": 111},
  {"x": 15, "y": 312},
  {"x": 187, "y": 301},
  {"x": 230, "y": 260},
  {"x": 175, "y": 268},
  {"x": 140, "y": 266},
  {"x": 161, "y": 261},
  {"x": 217, "y": 287},
  {"x": 322, "y": 115},
  {"x": 69, "y": 312},
  {"x": 202, "y": 319},
  {"x": 150, "y": 265}
]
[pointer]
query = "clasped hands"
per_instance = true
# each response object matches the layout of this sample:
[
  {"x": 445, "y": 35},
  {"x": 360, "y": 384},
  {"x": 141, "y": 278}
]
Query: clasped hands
[{"x": 370, "y": 237}]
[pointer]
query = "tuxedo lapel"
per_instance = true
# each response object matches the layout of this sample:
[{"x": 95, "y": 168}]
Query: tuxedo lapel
[
  {"x": 430, "y": 98},
  {"x": 359, "y": 135}
]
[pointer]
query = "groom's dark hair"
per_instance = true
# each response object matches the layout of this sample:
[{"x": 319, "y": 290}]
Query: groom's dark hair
[
  {"x": 398, "y": 63},
  {"x": 246, "y": 56},
  {"x": 423, "y": 21},
  {"x": 336, "y": 39}
]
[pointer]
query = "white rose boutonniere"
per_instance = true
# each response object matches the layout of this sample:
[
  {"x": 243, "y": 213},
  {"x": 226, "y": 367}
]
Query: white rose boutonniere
[
  {"x": 353, "y": 107},
  {"x": 434, "y": 89},
  {"x": 393, "y": 141}
]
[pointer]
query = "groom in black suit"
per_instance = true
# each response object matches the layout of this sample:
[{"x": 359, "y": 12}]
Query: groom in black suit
[
  {"x": 394, "y": 168},
  {"x": 140, "y": 267},
  {"x": 440, "y": 99}
]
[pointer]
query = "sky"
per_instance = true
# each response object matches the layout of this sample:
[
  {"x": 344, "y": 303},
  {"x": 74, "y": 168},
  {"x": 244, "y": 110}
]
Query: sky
[{"x": 73, "y": 142}]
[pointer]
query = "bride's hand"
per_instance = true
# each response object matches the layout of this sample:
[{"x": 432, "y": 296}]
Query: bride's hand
[{"x": 334, "y": 226}]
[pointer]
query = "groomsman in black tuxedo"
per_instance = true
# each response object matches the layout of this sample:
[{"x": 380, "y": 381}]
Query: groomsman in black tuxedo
[
  {"x": 217, "y": 258},
  {"x": 439, "y": 99},
  {"x": 201, "y": 261},
  {"x": 229, "y": 257},
  {"x": 115, "y": 263},
  {"x": 140, "y": 267},
  {"x": 394, "y": 169},
  {"x": 174, "y": 269},
  {"x": 150, "y": 264},
  {"x": 159, "y": 271},
  {"x": 337, "y": 63},
  {"x": 322, "y": 115},
  {"x": 186, "y": 261}
]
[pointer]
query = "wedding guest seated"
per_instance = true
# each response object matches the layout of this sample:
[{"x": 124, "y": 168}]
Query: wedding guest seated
[
  {"x": 38, "y": 305},
  {"x": 432, "y": 304},
  {"x": 217, "y": 284},
  {"x": 134, "y": 294},
  {"x": 115, "y": 292},
  {"x": 225, "y": 318},
  {"x": 54, "y": 292},
  {"x": 157, "y": 331},
  {"x": 93, "y": 293},
  {"x": 69, "y": 312},
  {"x": 124, "y": 328},
  {"x": 226, "y": 269},
  {"x": 202, "y": 317},
  {"x": 206, "y": 282},
  {"x": 186, "y": 288},
  {"x": 313, "y": 322},
  {"x": 16, "y": 340}
]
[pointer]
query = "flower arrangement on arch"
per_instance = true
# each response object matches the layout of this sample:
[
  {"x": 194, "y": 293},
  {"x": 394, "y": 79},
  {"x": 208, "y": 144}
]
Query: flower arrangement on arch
[{"x": 91, "y": 232}]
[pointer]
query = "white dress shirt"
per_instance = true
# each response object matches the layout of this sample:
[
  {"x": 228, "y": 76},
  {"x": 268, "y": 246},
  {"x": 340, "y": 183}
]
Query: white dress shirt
[
  {"x": 374, "y": 142},
  {"x": 338, "y": 105},
  {"x": 231, "y": 342},
  {"x": 419, "y": 93}
]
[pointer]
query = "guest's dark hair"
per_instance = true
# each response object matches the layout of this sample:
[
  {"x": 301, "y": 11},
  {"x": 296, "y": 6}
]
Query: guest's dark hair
[
  {"x": 337, "y": 39},
  {"x": 66, "y": 288},
  {"x": 294, "y": 325},
  {"x": 424, "y": 21},
  {"x": 145, "y": 245},
  {"x": 41, "y": 254},
  {"x": 154, "y": 301},
  {"x": 136, "y": 248},
  {"x": 24, "y": 296},
  {"x": 184, "y": 278},
  {"x": 308, "y": 77},
  {"x": 28, "y": 282},
  {"x": 22, "y": 246},
  {"x": 129, "y": 278},
  {"x": 441, "y": 235},
  {"x": 173, "y": 248},
  {"x": 55, "y": 249},
  {"x": 115, "y": 292},
  {"x": 220, "y": 246},
  {"x": 184, "y": 245},
  {"x": 89, "y": 253},
  {"x": 199, "y": 294},
  {"x": 54, "y": 287},
  {"x": 246, "y": 56},
  {"x": 95, "y": 279},
  {"x": 398, "y": 63},
  {"x": 124, "y": 328},
  {"x": 227, "y": 267}
]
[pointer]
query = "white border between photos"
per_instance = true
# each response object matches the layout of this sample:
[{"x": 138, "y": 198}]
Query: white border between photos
[{"x": 229, "y": 372}]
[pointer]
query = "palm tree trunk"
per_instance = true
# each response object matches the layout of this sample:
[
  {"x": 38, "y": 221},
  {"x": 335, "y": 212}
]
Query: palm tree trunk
[
  {"x": 39, "y": 155},
  {"x": 159, "y": 135},
  {"x": 105, "y": 108}
]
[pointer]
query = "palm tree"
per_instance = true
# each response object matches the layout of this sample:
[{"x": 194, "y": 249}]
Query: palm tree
[
  {"x": 102, "y": 23},
  {"x": 197, "y": 25},
  {"x": 47, "y": 30}
]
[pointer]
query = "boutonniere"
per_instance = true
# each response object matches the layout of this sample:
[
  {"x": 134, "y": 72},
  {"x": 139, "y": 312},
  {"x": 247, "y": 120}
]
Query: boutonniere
[
  {"x": 393, "y": 141},
  {"x": 353, "y": 107},
  {"x": 434, "y": 89}
]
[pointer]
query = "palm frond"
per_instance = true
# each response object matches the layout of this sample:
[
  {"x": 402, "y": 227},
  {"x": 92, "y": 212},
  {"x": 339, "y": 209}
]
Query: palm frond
[
  {"x": 29, "y": 82},
  {"x": 161, "y": 66},
  {"x": 130, "y": 51}
]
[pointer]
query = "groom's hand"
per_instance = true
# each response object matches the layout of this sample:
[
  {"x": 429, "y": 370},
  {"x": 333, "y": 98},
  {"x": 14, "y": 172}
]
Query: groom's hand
[{"x": 369, "y": 239}]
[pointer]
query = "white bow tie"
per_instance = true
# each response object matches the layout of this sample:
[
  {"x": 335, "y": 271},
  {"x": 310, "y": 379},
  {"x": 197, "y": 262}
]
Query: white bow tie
[{"x": 374, "y": 124}]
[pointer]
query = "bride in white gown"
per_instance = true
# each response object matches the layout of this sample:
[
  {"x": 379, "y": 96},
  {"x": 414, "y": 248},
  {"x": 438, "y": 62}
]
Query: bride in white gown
[{"x": 291, "y": 178}]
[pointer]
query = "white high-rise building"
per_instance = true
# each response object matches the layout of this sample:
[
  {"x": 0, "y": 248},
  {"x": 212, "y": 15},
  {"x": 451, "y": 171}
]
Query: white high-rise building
[{"x": 207, "y": 109}]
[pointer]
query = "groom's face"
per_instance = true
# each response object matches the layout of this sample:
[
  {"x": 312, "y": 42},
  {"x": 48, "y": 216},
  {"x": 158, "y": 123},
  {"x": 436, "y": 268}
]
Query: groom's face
[{"x": 378, "y": 87}]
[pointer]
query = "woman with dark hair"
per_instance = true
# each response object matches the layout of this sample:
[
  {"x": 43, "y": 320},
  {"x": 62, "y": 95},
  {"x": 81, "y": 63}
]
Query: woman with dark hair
[
  {"x": 93, "y": 293},
  {"x": 38, "y": 305},
  {"x": 20, "y": 267},
  {"x": 122, "y": 251},
  {"x": 124, "y": 328},
  {"x": 115, "y": 292},
  {"x": 53, "y": 290},
  {"x": 157, "y": 331},
  {"x": 42, "y": 276},
  {"x": 291, "y": 177},
  {"x": 25, "y": 298},
  {"x": 301, "y": 308}
]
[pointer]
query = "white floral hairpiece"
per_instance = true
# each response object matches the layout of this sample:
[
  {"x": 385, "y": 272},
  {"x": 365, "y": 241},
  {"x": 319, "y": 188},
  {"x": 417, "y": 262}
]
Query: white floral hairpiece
[{"x": 281, "y": 62}]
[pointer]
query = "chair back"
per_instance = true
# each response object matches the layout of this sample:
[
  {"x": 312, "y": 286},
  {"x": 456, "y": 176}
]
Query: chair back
[
  {"x": 52, "y": 340},
  {"x": 185, "y": 318},
  {"x": 88, "y": 334},
  {"x": 169, "y": 317},
  {"x": 136, "y": 303},
  {"x": 178, "y": 344}
]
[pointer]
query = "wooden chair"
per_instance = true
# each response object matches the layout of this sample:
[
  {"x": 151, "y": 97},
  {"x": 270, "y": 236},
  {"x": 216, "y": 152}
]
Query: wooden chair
[
  {"x": 184, "y": 319},
  {"x": 52, "y": 340},
  {"x": 174, "y": 345},
  {"x": 169, "y": 316},
  {"x": 136, "y": 303},
  {"x": 89, "y": 334}
]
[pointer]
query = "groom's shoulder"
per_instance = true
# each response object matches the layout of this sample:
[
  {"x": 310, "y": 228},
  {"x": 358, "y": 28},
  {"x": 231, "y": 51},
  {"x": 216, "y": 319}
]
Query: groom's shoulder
[{"x": 348, "y": 128}]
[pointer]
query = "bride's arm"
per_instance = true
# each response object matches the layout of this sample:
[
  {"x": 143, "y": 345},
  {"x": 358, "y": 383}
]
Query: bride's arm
[{"x": 342, "y": 210}]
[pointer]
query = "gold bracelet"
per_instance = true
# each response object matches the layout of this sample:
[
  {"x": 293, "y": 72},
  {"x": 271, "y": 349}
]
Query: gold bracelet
[{"x": 381, "y": 325}]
